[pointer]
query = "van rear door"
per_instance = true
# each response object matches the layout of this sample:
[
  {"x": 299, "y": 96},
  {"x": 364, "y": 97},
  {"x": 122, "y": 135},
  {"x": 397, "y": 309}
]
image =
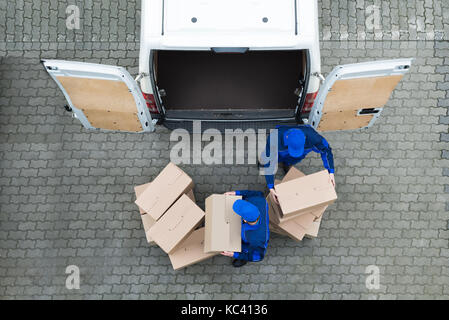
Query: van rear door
[
  {"x": 101, "y": 96},
  {"x": 353, "y": 96}
]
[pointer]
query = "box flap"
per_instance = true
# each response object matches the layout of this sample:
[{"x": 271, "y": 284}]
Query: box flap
[
  {"x": 293, "y": 174},
  {"x": 190, "y": 251},
  {"x": 168, "y": 186},
  {"x": 223, "y": 226},
  {"x": 174, "y": 226},
  {"x": 138, "y": 190}
]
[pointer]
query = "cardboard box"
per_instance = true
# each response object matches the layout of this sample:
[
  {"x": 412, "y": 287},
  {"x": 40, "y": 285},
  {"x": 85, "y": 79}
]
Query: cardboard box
[
  {"x": 223, "y": 225},
  {"x": 139, "y": 189},
  {"x": 168, "y": 186},
  {"x": 190, "y": 251},
  {"x": 312, "y": 232},
  {"x": 176, "y": 225},
  {"x": 147, "y": 220},
  {"x": 276, "y": 215},
  {"x": 306, "y": 193},
  {"x": 292, "y": 174}
]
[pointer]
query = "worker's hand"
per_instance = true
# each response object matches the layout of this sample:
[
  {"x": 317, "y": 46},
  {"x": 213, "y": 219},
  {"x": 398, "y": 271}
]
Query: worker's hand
[
  {"x": 332, "y": 178},
  {"x": 228, "y": 253},
  {"x": 230, "y": 193},
  {"x": 275, "y": 195}
]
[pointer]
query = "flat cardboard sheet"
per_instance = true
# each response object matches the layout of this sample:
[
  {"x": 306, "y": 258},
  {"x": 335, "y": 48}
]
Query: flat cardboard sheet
[
  {"x": 190, "y": 251},
  {"x": 176, "y": 225},
  {"x": 168, "y": 186},
  {"x": 223, "y": 225},
  {"x": 303, "y": 194}
]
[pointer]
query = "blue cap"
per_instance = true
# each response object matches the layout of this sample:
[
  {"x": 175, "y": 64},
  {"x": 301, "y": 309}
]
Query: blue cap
[
  {"x": 246, "y": 210},
  {"x": 295, "y": 139}
]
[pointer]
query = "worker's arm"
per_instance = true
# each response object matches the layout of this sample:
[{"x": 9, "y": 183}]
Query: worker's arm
[
  {"x": 326, "y": 154},
  {"x": 250, "y": 253},
  {"x": 248, "y": 193}
]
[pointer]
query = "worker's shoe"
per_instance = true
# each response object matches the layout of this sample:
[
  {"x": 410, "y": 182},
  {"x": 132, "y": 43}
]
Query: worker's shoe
[{"x": 239, "y": 263}]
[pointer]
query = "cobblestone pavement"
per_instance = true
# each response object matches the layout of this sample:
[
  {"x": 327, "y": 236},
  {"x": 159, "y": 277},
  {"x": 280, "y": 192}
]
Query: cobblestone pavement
[{"x": 66, "y": 194}]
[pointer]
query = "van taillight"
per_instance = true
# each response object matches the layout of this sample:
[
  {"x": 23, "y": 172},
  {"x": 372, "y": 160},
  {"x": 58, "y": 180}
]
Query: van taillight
[
  {"x": 151, "y": 102},
  {"x": 310, "y": 100}
]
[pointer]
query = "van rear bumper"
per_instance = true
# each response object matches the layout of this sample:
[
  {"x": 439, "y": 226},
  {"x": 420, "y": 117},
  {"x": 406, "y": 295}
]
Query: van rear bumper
[
  {"x": 228, "y": 115},
  {"x": 222, "y": 125}
]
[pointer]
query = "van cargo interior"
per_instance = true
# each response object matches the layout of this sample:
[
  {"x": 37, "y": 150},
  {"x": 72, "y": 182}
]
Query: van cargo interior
[{"x": 257, "y": 81}]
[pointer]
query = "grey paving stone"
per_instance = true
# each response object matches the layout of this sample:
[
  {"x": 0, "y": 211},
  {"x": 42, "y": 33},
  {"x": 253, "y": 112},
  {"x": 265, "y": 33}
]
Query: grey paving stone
[{"x": 66, "y": 193}]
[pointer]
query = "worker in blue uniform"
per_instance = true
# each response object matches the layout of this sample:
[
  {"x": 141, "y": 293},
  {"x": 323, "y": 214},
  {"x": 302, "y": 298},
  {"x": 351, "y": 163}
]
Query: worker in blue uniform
[
  {"x": 255, "y": 227},
  {"x": 294, "y": 143}
]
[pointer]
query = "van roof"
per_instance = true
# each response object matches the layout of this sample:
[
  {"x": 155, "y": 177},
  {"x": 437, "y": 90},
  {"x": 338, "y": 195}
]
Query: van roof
[{"x": 229, "y": 16}]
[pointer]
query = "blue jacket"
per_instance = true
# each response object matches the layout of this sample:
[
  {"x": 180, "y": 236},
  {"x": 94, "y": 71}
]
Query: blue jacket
[
  {"x": 314, "y": 142},
  {"x": 254, "y": 238}
]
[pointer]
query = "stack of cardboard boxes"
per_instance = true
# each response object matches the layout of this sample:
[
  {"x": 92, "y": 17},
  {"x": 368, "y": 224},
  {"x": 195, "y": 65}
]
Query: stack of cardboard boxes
[
  {"x": 302, "y": 203},
  {"x": 172, "y": 220}
]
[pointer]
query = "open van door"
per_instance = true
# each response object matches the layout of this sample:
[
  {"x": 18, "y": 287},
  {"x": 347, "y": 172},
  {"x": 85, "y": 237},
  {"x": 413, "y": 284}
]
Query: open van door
[
  {"x": 102, "y": 96},
  {"x": 353, "y": 96}
]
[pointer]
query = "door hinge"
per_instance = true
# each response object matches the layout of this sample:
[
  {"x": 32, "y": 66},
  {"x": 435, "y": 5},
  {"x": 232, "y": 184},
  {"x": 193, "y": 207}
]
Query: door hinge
[
  {"x": 319, "y": 76},
  {"x": 140, "y": 76}
]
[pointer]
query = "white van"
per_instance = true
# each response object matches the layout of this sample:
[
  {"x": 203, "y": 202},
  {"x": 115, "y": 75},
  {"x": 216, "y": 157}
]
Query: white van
[{"x": 228, "y": 62}]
